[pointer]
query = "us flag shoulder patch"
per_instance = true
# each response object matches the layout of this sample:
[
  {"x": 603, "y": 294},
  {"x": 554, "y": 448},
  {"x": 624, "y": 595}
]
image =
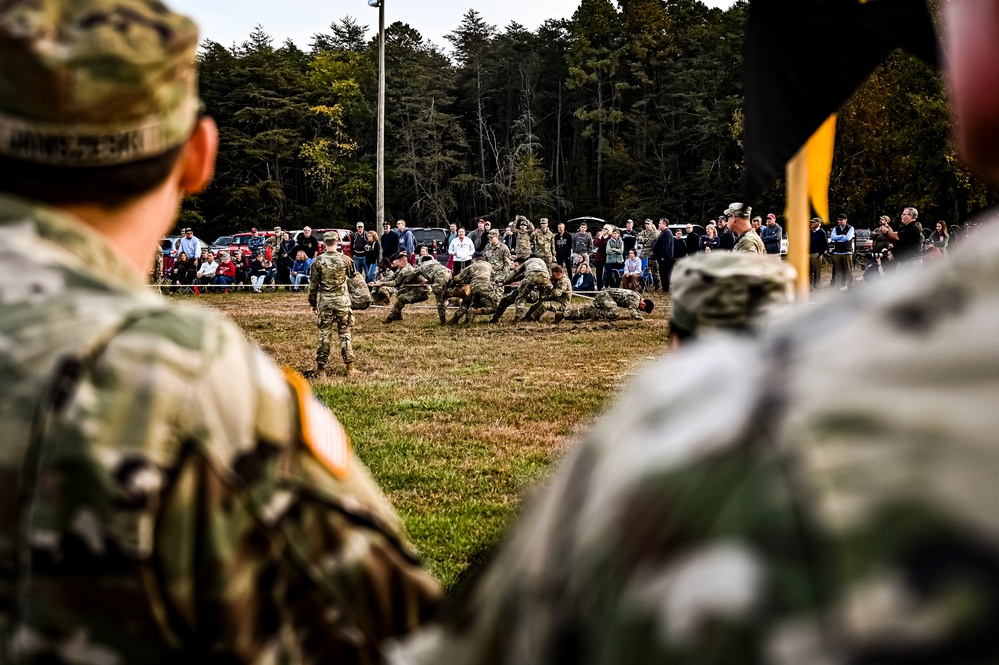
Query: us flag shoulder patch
[{"x": 320, "y": 430}]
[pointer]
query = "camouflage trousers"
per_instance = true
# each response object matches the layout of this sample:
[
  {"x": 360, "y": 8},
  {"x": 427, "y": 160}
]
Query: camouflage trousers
[
  {"x": 542, "y": 306},
  {"x": 382, "y": 295},
  {"x": 409, "y": 294},
  {"x": 603, "y": 308},
  {"x": 484, "y": 299},
  {"x": 530, "y": 291},
  {"x": 440, "y": 289},
  {"x": 342, "y": 319}
]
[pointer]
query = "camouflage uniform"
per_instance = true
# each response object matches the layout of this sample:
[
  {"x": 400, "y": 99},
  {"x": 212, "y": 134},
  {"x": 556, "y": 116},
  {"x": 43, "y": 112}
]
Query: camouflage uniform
[
  {"x": 382, "y": 295},
  {"x": 410, "y": 288},
  {"x": 535, "y": 283},
  {"x": 750, "y": 242},
  {"x": 728, "y": 290},
  {"x": 485, "y": 294},
  {"x": 855, "y": 523},
  {"x": 544, "y": 247},
  {"x": 169, "y": 494},
  {"x": 328, "y": 294},
  {"x": 360, "y": 294},
  {"x": 607, "y": 306},
  {"x": 440, "y": 279},
  {"x": 556, "y": 301},
  {"x": 646, "y": 239},
  {"x": 523, "y": 239},
  {"x": 156, "y": 272},
  {"x": 498, "y": 256}
]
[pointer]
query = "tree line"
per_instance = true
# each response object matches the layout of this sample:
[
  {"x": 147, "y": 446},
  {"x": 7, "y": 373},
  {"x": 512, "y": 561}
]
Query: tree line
[{"x": 626, "y": 110}]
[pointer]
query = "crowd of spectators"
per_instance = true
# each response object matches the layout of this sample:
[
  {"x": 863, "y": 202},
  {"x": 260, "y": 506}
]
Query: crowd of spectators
[{"x": 613, "y": 257}]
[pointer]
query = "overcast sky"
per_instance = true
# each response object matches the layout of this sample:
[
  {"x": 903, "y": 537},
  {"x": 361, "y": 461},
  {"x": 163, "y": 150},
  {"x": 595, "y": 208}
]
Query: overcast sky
[{"x": 231, "y": 21}]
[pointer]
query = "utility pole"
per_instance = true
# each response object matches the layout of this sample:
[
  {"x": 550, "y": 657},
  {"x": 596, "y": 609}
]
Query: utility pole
[{"x": 380, "y": 156}]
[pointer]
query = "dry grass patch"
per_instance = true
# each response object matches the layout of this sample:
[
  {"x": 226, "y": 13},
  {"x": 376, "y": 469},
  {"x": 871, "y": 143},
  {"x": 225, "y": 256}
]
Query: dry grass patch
[{"x": 455, "y": 422}]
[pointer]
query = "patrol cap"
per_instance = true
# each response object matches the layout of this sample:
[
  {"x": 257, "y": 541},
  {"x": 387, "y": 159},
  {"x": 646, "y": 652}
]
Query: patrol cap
[
  {"x": 95, "y": 82},
  {"x": 331, "y": 237},
  {"x": 739, "y": 210},
  {"x": 494, "y": 233},
  {"x": 728, "y": 290}
]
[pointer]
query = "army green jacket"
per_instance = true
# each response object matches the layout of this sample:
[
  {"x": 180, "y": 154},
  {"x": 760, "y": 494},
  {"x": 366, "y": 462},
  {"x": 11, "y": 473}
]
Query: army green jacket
[
  {"x": 532, "y": 268},
  {"x": 328, "y": 281},
  {"x": 499, "y": 257},
  {"x": 479, "y": 275},
  {"x": 168, "y": 492},
  {"x": 750, "y": 242},
  {"x": 646, "y": 239}
]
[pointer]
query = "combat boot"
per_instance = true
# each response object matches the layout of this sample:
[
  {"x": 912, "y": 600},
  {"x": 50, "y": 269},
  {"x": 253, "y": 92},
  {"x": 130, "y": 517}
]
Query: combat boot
[
  {"x": 393, "y": 317},
  {"x": 320, "y": 370},
  {"x": 350, "y": 370},
  {"x": 558, "y": 317}
]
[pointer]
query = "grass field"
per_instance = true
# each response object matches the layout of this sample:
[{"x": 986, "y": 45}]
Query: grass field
[{"x": 456, "y": 422}]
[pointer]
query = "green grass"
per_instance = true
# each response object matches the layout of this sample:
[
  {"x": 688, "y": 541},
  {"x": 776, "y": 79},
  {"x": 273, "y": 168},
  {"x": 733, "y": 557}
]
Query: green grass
[{"x": 455, "y": 423}]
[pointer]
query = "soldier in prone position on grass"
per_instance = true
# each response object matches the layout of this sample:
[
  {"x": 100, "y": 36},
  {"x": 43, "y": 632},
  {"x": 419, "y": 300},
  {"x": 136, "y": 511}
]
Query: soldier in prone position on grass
[
  {"x": 330, "y": 300},
  {"x": 608, "y": 304}
]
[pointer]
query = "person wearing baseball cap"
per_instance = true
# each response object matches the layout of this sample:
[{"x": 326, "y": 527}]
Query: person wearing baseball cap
[
  {"x": 771, "y": 235},
  {"x": 173, "y": 494}
]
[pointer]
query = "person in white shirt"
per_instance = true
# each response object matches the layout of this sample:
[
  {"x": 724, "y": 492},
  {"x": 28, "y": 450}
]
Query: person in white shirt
[
  {"x": 206, "y": 271},
  {"x": 462, "y": 249}
]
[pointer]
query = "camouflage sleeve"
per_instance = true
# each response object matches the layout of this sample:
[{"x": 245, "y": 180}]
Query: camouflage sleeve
[
  {"x": 463, "y": 277},
  {"x": 206, "y": 504},
  {"x": 315, "y": 279},
  {"x": 517, "y": 274}
]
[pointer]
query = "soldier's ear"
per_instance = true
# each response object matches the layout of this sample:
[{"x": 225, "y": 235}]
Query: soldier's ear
[{"x": 197, "y": 162}]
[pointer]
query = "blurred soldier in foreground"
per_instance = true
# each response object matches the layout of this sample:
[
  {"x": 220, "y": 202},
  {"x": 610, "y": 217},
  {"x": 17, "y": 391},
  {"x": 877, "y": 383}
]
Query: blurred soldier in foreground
[
  {"x": 854, "y": 521},
  {"x": 608, "y": 305},
  {"x": 726, "y": 291},
  {"x": 329, "y": 298},
  {"x": 169, "y": 494}
]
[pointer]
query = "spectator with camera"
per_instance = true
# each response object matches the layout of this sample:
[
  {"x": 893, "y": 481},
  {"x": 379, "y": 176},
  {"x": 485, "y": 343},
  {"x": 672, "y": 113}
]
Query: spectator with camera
[{"x": 908, "y": 240}]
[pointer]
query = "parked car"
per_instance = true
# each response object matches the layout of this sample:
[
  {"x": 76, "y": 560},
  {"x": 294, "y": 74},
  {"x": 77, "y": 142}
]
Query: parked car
[
  {"x": 862, "y": 243},
  {"x": 242, "y": 241},
  {"x": 222, "y": 242},
  {"x": 435, "y": 240},
  {"x": 592, "y": 223}
]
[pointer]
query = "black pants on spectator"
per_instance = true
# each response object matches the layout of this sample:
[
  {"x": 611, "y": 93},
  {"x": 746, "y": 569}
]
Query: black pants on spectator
[
  {"x": 565, "y": 262},
  {"x": 460, "y": 265},
  {"x": 598, "y": 274},
  {"x": 665, "y": 272}
]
